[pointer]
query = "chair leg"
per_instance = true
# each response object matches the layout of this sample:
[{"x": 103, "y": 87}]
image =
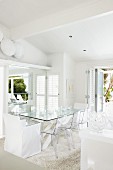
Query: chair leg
[
  {"x": 54, "y": 141},
  {"x": 41, "y": 142},
  {"x": 68, "y": 138},
  {"x": 57, "y": 137},
  {"x": 72, "y": 139},
  {"x": 51, "y": 141}
]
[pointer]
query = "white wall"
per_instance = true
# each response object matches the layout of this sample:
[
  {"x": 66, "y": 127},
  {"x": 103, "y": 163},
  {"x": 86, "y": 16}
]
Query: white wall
[
  {"x": 63, "y": 65},
  {"x": 69, "y": 75},
  {"x": 56, "y": 61},
  {"x": 80, "y": 81}
]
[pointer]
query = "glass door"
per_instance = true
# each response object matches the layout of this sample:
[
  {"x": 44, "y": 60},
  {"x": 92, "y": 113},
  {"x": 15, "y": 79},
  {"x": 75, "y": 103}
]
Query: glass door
[
  {"x": 90, "y": 88},
  {"x": 99, "y": 90},
  {"x": 94, "y": 89}
]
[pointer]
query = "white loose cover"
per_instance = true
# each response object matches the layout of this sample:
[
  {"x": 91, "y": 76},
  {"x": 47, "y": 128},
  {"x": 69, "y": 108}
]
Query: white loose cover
[{"x": 21, "y": 140}]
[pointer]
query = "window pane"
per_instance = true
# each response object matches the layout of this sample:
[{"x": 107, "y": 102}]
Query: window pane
[
  {"x": 41, "y": 85},
  {"x": 26, "y": 81},
  {"x": 53, "y": 84},
  {"x": 52, "y": 103},
  {"x": 20, "y": 89},
  {"x": 9, "y": 86},
  {"x": 40, "y": 103}
]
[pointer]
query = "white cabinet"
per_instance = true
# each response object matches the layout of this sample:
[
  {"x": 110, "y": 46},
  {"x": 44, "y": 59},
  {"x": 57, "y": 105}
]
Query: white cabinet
[{"x": 96, "y": 150}]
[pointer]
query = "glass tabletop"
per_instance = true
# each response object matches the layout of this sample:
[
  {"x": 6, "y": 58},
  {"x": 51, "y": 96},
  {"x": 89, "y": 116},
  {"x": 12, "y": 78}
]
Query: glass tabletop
[{"x": 47, "y": 116}]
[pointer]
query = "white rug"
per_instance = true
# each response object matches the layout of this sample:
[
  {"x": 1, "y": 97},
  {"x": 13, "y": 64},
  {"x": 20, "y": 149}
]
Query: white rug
[{"x": 67, "y": 159}]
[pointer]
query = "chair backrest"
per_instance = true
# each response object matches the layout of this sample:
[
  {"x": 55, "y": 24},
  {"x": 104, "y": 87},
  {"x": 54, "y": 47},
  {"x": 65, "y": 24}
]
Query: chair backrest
[
  {"x": 21, "y": 140},
  {"x": 9, "y": 97},
  {"x": 13, "y": 125},
  {"x": 19, "y": 97},
  {"x": 81, "y": 117},
  {"x": 65, "y": 122},
  {"x": 12, "y": 98}
]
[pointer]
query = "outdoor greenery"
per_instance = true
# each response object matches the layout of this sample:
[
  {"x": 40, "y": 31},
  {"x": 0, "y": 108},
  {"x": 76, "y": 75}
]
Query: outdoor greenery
[
  {"x": 109, "y": 89},
  {"x": 19, "y": 87}
]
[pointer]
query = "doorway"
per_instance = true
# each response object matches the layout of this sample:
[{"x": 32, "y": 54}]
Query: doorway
[{"x": 100, "y": 88}]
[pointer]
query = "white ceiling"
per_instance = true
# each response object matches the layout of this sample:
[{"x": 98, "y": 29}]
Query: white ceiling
[
  {"x": 14, "y": 13},
  {"x": 94, "y": 35}
]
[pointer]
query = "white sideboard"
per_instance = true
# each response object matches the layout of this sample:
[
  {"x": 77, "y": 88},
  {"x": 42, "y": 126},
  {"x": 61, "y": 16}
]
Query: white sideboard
[{"x": 96, "y": 150}]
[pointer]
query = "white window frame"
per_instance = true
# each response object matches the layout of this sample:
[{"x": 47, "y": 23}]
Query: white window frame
[
  {"x": 52, "y": 74},
  {"x": 40, "y": 94},
  {"x": 20, "y": 77},
  {"x": 46, "y": 88}
]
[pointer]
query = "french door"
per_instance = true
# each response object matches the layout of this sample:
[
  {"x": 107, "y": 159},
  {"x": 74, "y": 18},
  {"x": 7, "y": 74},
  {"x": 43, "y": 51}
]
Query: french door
[
  {"x": 94, "y": 90},
  {"x": 41, "y": 93},
  {"x": 52, "y": 92},
  {"x": 47, "y": 92},
  {"x": 99, "y": 90}
]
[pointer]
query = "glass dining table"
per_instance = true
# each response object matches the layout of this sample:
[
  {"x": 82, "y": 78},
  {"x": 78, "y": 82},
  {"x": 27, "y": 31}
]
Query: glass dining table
[
  {"x": 48, "y": 116},
  {"x": 48, "y": 120}
]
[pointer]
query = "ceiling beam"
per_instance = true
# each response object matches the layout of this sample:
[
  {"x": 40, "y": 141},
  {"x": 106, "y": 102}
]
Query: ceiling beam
[
  {"x": 21, "y": 64},
  {"x": 95, "y": 7}
]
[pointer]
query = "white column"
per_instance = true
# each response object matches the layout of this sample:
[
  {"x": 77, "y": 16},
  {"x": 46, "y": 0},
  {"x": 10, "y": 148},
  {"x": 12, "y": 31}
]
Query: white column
[
  {"x": 1, "y": 100},
  {"x": 12, "y": 89},
  {"x": 3, "y": 96},
  {"x": 5, "y": 92}
]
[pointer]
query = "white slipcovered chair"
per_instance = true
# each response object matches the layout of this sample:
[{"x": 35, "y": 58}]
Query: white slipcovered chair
[{"x": 21, "y": 140}]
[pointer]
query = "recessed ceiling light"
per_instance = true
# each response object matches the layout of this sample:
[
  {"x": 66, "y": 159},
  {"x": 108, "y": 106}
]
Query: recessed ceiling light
[
  {"x": 70, "y": 36},
  {"x": 84, "y": 50}
]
